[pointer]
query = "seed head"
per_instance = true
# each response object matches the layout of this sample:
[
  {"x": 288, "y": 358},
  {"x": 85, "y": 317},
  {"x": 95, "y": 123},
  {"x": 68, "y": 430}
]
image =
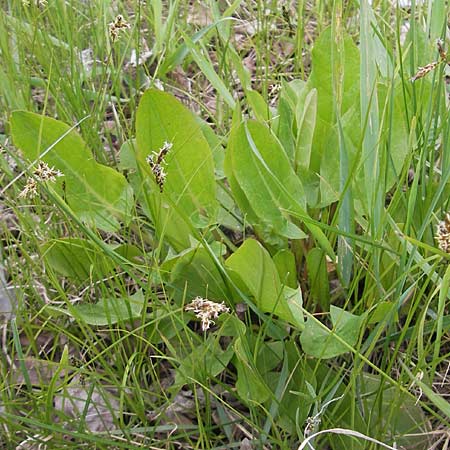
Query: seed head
[
  {"x": 114, "y": 27},
  {"x": 46, "y": 173},
  {"x": 206, "y": 310},
  {"x": 424, "y": 70},
  {"x": 440, "y": 46},
  {"x": 43, "y": 172},
  {"x": 443, "y": 234},
  {"x": 30, "y": 189},
  {"x": 157, "y": 163}
]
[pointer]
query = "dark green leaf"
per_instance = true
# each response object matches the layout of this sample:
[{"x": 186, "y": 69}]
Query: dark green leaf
[{"x": 108, "y": 311}]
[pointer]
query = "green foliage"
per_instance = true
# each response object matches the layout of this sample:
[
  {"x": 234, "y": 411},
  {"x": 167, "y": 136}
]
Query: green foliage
[
  {"x": 190, "y": 181},
  {"x": 81, "y": 260},
  {"x": 253, "y": 270},
  {"x": 257, "y": 201},
  {"x": 97, "y": 194},
  {"x": 264, "y": 184},
  {"x": 202, "y": 362},
  {"x": 108, "y": 311},
  {"x": 318, "y": 277},
  {"x": 188, "y": 198},
  {"x": 194, "y": 271},
  {"x": 322, "y": 343}
]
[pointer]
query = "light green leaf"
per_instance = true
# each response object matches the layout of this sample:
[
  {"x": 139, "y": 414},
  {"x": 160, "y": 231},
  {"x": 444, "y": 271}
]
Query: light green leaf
[
  {"x": 252, "y": 265},
  {"x": 321, "y": 343},
  {"x": 255, "y": 158},
  {"x": 285, "y": 263},
  {"x": 81, "y": 260},
  {"x": 324, "y": 150},
  {"x": 283, "y": 126},
  {"x": 294, "y": 300},
  {"x": 189, "y": 166},
  {"x": 250, "y": 385},
  {"x": 97, "y": 194},
  {"x": 127, "y": 158},
  {"x": 306, "y": 112},
  {"x": 194, "y": 273},
  {"x": 259, "y": 106},
  {"x": 77, "y": 259}
]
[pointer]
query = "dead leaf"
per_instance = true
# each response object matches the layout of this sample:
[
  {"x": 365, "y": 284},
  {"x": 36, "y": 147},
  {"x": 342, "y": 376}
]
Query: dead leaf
[{"x": 96, "y": 409}]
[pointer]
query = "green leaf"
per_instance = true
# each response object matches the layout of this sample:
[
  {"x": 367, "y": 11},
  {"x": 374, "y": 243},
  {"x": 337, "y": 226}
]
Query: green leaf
[
  {"x": 259, "y": 106},
  {"x": 283, "y": 126},
  {"x": 164, "y": 325},
  {"x": 204, "y": 361},
  {"x": 381, "y": 311},
  {"x": 108, "y": 311},
  {"x": 397, "y": 134},
  {"x": 230, "y": 325},
  {"x": 306, "y": 112},
  {"x": 378, "y": 396},
  {"x": 250, "y": 385},
  {"x": 269, "y": 355},
  {"x": 190, "y": 182},
  {"x": 285, "y": 263},
  {"x": 318, "y": 277},
  {"x": 97, "y": 194},
  {"x": 294, "y": 300},
  {"x": 127, "y": 158},
  {"x": 321, "y": 78},
  {"x": 81, "y": 260},
  {"x": 77, "y": 259},
  {"x": 324, "y": 150},
  {"x": 299, "y": 394},
  {"x": 253, "y": 267},
  {"x": 259, "y": 166},
  {"x": 194, "y": 273},
  {"x": 322, "y": 343}
]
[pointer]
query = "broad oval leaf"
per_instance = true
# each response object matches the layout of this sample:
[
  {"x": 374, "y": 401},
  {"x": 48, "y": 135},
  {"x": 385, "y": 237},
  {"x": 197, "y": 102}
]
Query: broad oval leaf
[
  {"x": 193, "y": 273},
  {"x": 97, "y": 194},
  {"x": 108, "y": 311},
  {"x": 321, "y": 343},
  {"x": 253, "y": 267},
  {"x": 81, "y": 260},
  {"x": 305, "y": 113},
  {"x": 260, "y": 168},
  {"x": 189, "y": 164}
]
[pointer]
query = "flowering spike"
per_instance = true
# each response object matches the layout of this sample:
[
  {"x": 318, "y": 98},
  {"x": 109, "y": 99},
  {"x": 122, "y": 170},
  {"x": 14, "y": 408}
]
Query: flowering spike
[
  {"x": 443, "y": 234},
  {"x": 114, "y": 27},
  {"x": 157, "y": 162},
  {"x": 206, "y": 310},
  {"x": 424, "y": 70}
]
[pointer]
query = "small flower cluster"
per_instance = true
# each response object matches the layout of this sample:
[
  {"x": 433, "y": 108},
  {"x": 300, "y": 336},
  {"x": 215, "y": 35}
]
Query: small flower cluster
[
  {"x": 38, "y": 3},
  {"x": 115, "y": 27},
  {"x": 443, "y": 234},
  {"x": 422, "y": 71},
  {"x": 43, "y": 172},
  {"x": 157, "y": 162},
  {"x": 206, "y": 310}
]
